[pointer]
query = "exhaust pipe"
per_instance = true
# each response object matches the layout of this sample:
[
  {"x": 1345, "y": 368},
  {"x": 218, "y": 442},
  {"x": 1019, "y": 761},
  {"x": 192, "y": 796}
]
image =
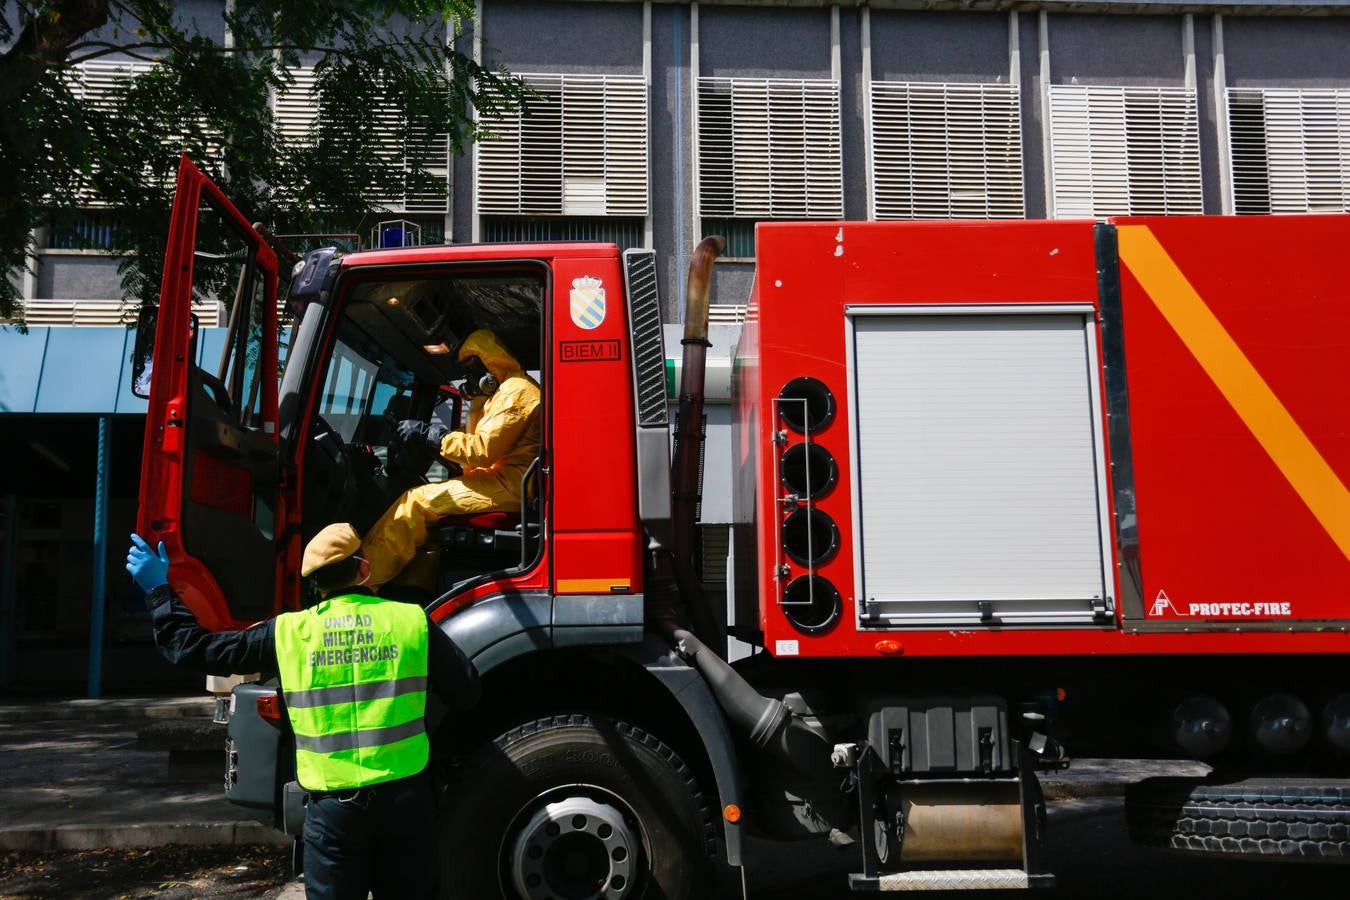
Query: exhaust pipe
[
  {"x": 689, "y": 438},
  {"x": 767, "y": 723}
]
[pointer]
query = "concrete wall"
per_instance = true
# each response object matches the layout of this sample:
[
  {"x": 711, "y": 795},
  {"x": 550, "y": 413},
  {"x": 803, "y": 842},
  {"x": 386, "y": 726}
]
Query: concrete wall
[
  {"x": 939, "y": 46},
  {"x": 563, "y": 38},
  {"x": 763, "y": 42},
  {"x": 1033, "y": 117},
  {"x": 671, "y": 151},
  {"x": 204, "y": 17},
  {"x": 78, "y": 276},
  {"x": 1118, "y": 50},
  {"x": 1287, "y": 52}
]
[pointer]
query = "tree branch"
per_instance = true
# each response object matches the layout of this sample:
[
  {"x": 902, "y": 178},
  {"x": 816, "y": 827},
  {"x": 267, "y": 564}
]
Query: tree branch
[
  {"x": 42, "y": 43},
  {"x": 128, "y": 49}
]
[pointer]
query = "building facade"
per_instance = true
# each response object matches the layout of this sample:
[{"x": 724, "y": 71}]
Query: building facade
[{"x": 655, "y": 123}]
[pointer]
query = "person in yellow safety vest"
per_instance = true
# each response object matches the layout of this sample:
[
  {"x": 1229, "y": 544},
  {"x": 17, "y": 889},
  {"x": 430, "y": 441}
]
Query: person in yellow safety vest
[
  {"x": 354, "y": 673},
  {"x": 500, "y": 443}
]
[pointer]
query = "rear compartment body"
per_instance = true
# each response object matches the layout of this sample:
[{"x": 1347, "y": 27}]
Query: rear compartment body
[{"x": 1053, "y": 438}]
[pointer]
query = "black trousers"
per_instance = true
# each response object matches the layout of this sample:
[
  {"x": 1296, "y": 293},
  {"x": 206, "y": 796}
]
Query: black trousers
[{"x": 382, "y": 841}]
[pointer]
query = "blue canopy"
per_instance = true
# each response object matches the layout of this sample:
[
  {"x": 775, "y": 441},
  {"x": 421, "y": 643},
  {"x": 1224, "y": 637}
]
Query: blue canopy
[{"x": 78, "y": 370}]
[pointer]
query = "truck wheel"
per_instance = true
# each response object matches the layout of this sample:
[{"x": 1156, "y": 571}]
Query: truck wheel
[
  {"x": 1295, "y": 818},
  {"x": 573, "y": 806}
]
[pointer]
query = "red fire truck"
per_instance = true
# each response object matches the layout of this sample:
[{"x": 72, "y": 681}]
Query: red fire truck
[{"x": 1003, "y": 491}]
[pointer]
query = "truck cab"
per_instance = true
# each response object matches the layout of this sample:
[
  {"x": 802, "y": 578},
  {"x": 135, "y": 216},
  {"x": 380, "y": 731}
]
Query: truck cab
[
  {"x": 296, "y": 428},
  {"x": 248, "y": 465}
]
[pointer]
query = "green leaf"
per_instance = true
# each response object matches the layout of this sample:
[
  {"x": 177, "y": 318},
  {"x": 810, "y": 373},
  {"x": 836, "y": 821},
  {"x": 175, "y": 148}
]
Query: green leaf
[{"x": 385, "y": 78}]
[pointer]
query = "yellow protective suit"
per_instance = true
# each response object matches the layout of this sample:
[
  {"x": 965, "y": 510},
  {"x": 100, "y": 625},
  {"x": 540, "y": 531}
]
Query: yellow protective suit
[{"x": 500, "y": 443}]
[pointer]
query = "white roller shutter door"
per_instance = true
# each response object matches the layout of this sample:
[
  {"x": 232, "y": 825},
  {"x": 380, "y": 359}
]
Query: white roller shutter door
[{"x": 978, "y": 469}]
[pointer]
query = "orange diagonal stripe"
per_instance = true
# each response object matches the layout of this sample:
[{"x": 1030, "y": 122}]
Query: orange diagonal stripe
[{"x": 1237, "y": 379}]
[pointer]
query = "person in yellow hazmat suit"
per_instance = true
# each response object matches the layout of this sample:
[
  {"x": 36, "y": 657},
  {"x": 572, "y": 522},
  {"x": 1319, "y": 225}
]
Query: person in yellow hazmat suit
[{"x": 498, "y": 446}]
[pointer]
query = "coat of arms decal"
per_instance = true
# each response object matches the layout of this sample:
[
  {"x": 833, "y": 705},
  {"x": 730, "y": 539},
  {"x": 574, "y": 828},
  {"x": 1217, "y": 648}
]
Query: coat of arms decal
[{"x": 588, "y": 302}]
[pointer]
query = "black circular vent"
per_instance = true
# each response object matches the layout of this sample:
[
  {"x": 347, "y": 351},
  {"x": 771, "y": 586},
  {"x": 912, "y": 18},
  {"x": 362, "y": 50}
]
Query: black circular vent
[
  {"x": 811, "y": 604},
  {"x": 808, "y": 470},
  {"x": 806, "y": 404},
  {"x": 810, "y": 537}
]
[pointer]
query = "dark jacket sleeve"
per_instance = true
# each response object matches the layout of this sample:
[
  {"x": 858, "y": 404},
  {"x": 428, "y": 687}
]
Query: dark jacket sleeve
[
  {"x": 184, "y": 642},
  {"x": 451, "y": 675}
]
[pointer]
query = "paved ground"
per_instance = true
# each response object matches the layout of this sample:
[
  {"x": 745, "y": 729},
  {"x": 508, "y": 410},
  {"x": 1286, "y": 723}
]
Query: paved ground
[
  {"x": 90, "y": 773},
  {"x": 106, "y": 708},
  {"x": 78, "y": 783},
  {"x": 165, "y": 873},
  {"x": 1088, "y": 852}
]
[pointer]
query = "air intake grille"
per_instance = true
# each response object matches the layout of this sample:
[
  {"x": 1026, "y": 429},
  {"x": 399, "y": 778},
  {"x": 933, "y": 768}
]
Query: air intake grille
[{"x": 649, "y": 353}]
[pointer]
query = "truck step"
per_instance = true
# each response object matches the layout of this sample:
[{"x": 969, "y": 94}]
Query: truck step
[{"x": 951, "y": 880}]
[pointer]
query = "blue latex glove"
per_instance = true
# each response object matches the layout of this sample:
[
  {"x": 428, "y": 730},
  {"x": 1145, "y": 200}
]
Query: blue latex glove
[
  {"x": 415, "y": 430},
  {"x": 146, "y": 567},
  {"x": 412, "y": 429}
]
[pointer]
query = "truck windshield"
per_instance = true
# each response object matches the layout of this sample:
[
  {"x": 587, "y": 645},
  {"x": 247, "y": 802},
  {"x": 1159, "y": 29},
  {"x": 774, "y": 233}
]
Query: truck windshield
[{"x": 360, "y": 384}]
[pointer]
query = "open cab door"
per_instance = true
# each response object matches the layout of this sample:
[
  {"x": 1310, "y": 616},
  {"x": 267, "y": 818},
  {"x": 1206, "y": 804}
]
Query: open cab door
[{"x": 210, "y": 472}]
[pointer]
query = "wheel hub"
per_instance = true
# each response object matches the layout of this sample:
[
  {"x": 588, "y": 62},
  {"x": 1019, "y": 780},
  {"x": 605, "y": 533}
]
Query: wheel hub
[{"x": 575, "y": 848}]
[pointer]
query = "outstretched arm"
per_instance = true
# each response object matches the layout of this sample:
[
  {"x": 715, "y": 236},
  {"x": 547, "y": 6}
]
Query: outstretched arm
[{"x": 181, "y": 638}]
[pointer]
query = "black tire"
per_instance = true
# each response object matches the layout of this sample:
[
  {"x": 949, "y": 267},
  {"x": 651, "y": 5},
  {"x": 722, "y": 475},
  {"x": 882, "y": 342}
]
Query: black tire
[
  {"x": 1295, "y": 818},
  {"x": 494, "y": 791}
]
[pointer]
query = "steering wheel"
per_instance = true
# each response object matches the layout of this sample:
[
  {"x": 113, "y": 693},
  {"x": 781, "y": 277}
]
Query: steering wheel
[
  {"x": 328, "y": 474},
  {"x": 404, "y": 460}
]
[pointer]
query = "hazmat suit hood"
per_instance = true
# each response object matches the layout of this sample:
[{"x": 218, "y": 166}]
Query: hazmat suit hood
[{"x": 498, "y": 360}]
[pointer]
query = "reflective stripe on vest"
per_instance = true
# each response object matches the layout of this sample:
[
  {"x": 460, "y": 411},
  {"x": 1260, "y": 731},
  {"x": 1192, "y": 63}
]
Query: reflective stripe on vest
[{"x": 354, "y": 677}]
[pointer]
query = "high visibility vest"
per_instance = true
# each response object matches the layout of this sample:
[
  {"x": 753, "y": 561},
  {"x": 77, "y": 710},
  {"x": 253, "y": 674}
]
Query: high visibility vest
[{"x": 354, "y": 676}]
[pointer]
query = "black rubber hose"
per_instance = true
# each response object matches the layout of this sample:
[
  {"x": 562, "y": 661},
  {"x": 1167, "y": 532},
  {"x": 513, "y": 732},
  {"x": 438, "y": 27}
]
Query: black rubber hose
[
  {"x": 767, "y": 723},
  {"x": 753, "y": 714}
]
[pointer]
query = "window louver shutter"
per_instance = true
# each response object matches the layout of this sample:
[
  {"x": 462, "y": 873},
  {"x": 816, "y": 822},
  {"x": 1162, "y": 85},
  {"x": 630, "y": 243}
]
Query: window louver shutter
[
  {"x": 389, "y": 153},
  {"x": 93, "y": 85},
  {"x": 579, "y": 149},
  {"x": 297, "y": 108},
  {"x": 1290, "y": 150},
  {"x": 96, "y": 81},
  {"x": 1124, "y": 151},
  {"x": 769, "y": 148},
  {"x": 946, "y": 151}
]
